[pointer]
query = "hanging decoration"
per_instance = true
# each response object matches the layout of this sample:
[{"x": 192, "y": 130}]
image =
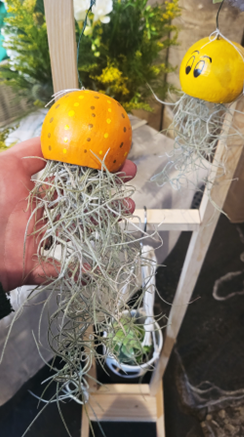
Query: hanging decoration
[
  {"x": 211, "y": 77},
  {"x": 213, "y": 70},
  {"x": 86, "y": 127},
  {"x": 91, "y": 261},
  {"x": 88, "y": 255}
]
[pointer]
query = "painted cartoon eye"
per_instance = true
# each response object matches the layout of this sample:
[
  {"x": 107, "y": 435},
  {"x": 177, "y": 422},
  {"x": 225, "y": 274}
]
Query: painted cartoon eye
[
  {"x": 190, "y": 64},
  {"x": 199, "y": 68}
]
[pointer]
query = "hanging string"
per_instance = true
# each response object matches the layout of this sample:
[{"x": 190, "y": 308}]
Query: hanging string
[
  {"x": 61, "y": 93},
  {"x": 92, "y": 3},
  {"x": 217, "y": 16},
  {"x": 216, "y": 34}
]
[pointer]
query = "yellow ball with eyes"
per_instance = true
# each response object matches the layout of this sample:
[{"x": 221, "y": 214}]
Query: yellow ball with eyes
[{"x": 213, "y": 70}]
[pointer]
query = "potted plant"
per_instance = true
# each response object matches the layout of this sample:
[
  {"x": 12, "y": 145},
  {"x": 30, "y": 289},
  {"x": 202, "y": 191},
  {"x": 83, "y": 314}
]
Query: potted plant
[
  {"x": 132, "y": 352},
  {"x": 134, "y": 339}
]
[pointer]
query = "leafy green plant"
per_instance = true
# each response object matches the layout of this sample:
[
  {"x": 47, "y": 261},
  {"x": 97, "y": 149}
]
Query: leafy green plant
[
  {"x": 29, "y": 70},
  {"x": 118, "y": 58},
  {"x": 127, "y": 342},
  {"x": 121, "y": 57},
  {"x": 4, "y": 133}
]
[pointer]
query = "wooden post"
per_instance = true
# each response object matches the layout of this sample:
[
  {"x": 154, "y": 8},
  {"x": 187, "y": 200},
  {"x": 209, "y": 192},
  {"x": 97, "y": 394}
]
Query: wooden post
[
  {"x": 200, "y": 241},
  {"x": 62, "y": 45}
]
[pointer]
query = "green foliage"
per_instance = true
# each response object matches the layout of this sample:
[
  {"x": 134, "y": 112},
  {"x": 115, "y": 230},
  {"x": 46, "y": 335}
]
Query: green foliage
[
  {"x": 121, "y": 57},
  {"x": 118, "y": 58},
  {"x": 4, "y": 134},
  {"x": 127, "y": 342},
  {"x": 28, "y": 71}
]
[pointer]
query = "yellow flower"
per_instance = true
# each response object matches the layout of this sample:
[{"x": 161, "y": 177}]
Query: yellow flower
[
  {"x": 155, "y": 70},
  {"x": 138, "y": 54},
  {"x": 113, "y": 77},
  {"x": 160, "y": 44},
  {"x": 29, "y": 4}
]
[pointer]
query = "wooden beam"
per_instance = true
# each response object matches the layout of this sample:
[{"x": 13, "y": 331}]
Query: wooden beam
[
  {"x": 122, "y": 408},
  {"x": 85, "y": 424},
  {"x": 167, "y": 219},
  {"x": 160, "y": 428},
  {"x": 62, "y": 45},
  {"x": 124, "y": 403},
  {"x": 199, "y": 244},
  {"x": 135, "y": 389}
]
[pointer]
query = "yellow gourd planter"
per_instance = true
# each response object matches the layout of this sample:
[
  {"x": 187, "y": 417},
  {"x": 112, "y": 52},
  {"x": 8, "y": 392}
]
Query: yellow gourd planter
[
  {"x": 213, "y": 70},
  {"x": 211, "y": 77}
]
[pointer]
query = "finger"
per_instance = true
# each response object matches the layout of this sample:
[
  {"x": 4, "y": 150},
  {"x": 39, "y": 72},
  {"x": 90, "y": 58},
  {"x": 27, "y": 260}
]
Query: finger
[
  {"x": 44, "y": 273},
  {"x": 48, "y": 271},
  {"x": 128, "y": 171},
  {"x": 30, "y": 148}
]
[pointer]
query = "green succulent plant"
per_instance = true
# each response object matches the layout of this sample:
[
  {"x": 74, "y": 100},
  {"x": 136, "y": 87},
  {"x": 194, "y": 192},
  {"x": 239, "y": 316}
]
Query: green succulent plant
[{"x": 127, "y": 342}]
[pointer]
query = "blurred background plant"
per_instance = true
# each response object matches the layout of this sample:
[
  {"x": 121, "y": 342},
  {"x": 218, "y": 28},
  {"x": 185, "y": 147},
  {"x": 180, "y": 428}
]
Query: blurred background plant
[
  {"x": 28, "y": 70},
  {"x": 3, "y": 14},
  {"x": 4, "y": 134},
  {"x": 123, "y": 48}
]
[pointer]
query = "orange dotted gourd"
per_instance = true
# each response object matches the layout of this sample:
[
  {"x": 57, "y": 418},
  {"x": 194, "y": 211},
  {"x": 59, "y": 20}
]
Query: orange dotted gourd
[{"x": 84, "y": 126}]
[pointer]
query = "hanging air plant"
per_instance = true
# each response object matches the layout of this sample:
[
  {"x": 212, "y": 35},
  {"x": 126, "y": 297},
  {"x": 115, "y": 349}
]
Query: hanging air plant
[
  {"x": 211, "y": 77},
  {"x": 81, "y": 211},
  {"x": 85, "y": 138}
]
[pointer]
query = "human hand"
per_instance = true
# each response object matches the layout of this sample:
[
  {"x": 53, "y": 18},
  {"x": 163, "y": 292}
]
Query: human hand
[{"x": 15, "y": 185}]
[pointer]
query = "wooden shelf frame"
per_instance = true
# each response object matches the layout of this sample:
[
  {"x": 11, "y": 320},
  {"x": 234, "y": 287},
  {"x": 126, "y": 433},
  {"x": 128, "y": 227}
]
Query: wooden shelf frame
[{"x": 124, "y": 402}]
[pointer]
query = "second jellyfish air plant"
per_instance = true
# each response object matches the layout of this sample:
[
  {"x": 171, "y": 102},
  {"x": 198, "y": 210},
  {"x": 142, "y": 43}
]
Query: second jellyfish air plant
[
  {"x": 211, "y": 77},
  {"x": 86, "y": 250}
]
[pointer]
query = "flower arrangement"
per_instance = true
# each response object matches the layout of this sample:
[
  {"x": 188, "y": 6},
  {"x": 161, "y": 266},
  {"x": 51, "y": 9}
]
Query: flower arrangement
[{"x": 123, "y": 48}]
